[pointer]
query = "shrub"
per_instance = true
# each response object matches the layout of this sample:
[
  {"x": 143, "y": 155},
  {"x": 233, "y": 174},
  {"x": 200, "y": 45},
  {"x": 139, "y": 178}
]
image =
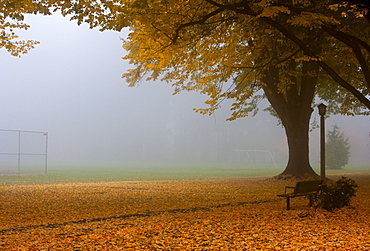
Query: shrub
[
  {"x": 336, "y": 195},
  {"x": 337, "y": 149}
]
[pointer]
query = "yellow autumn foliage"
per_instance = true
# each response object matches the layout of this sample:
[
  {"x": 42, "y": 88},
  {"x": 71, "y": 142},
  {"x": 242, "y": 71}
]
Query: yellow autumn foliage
[{"x": 204, "y": 43}]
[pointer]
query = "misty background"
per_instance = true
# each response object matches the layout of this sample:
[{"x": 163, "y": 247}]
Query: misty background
[{"x": 70, "y": 86}]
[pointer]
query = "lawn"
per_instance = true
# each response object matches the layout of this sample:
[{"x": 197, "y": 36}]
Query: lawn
[
  {"x": 115, "y": 172},
  {"x": 150, "y": 171},
  {"x": 175, "y": 214}
]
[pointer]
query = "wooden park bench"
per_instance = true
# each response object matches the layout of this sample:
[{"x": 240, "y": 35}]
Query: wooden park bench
[{"x": 302, "y": 188}]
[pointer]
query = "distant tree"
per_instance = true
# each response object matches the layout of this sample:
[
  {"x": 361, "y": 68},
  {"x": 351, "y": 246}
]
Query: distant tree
[{"x": 337, "y": 149}]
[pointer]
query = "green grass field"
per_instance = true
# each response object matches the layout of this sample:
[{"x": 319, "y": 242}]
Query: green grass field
[{"x": 114, "y": 172}]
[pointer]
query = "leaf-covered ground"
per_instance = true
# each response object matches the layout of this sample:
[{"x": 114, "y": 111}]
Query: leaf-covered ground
[{"x": 219, "y": 214}]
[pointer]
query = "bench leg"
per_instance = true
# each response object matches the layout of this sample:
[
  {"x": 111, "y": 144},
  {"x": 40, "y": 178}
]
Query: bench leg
[
  {"x": 287, "y": 203},
  {"x": 310, "y": 203}
]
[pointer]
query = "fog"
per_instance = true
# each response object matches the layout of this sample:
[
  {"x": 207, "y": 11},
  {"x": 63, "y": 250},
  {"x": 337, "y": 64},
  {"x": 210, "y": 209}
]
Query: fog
[{"x": 70, "y": 86}]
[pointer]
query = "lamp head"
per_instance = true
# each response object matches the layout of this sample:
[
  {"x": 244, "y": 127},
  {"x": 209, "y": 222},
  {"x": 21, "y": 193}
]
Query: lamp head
[{"x": 322, "y": 109}]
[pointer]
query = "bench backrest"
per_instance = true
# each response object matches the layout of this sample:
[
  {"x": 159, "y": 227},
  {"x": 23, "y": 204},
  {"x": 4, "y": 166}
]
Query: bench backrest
[{"x": 307, "y": 186}]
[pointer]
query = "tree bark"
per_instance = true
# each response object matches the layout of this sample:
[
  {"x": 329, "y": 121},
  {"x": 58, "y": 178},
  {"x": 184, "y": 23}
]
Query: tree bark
[
  {"x": 297, "y": 132},
  {"x": 294, "y": 109}
]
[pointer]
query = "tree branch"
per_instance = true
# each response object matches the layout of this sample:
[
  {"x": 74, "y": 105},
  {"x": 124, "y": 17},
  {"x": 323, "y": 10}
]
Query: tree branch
[
  {"x": 322, "y": 64},
  {"x": 244, "y": 8},
  {"x": 200, "y": 21},
  {"x": 346, "y": 39},
  {"x": 220, "y": 9},
  {"x": 306, "y": 50}
]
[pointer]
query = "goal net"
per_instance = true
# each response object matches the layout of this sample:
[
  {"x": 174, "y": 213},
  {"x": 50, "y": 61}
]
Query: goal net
[
  {"x": 255, "y": 158},
  {"x": 23, "y": 152}
]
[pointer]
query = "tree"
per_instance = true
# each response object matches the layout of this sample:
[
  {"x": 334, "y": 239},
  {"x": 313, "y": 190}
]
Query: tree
[
  {"x": 337, "y": 149},
  {"x": 285, "y": 49},
  {"x": 11, "y": 19},
  {"x": 293, "y": 51}
]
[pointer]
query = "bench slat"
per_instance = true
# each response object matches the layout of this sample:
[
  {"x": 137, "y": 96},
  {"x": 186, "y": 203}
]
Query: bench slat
[{"x": 307, "y": 186}]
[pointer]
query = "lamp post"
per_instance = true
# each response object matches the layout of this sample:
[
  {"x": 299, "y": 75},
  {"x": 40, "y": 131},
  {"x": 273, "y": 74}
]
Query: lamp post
[{"x": 322, "y": 112}]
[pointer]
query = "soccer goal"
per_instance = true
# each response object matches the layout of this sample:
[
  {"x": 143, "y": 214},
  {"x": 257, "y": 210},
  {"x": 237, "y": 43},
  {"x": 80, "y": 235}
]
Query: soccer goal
[
  {"x": 256, "y": 158},
  {"x": 23, "y": 152}
]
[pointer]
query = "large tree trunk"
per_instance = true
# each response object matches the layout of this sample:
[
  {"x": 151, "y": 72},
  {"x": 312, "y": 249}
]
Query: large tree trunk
[
  {"x": 297, "y": 132},
  {"x": 293, "y": 107}
]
